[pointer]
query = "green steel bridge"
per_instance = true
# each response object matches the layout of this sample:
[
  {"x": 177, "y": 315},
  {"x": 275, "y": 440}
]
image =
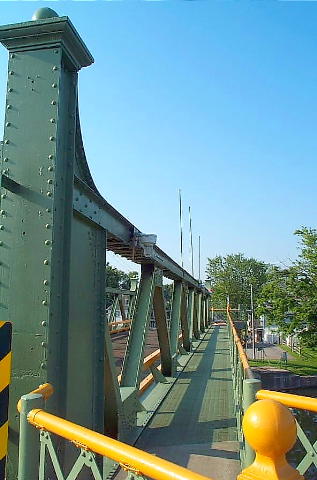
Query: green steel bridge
[{"x": 180, "y": 401}]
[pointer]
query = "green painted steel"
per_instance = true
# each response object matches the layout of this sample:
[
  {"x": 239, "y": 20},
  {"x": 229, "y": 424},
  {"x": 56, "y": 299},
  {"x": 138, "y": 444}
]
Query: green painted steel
[
  {"x": 135, "y": 349},
  {"x": 162, "y": 331},
  {"x": 196, "y": 313},
  {"x": 175, "y": 317},
  {"x": 29, "y": 447},
  {"x": 184, "y": 321},
  {"x": 250, "y": 387}
]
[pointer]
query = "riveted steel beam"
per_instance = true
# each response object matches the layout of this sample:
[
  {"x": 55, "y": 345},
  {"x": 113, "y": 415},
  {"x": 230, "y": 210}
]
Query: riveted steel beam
[{"x": 162, "y": 331}]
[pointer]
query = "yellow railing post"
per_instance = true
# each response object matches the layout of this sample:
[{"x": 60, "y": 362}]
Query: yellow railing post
[{"x": 270, "y": 429}]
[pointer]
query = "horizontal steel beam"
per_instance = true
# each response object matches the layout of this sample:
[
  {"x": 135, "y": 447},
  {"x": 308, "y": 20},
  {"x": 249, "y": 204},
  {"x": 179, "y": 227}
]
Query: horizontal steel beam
[{"x": 123, "y": 238}]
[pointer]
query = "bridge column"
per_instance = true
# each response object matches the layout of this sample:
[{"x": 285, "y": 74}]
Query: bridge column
[
  {"x": 133, "y": 361},
  {"x": 175, "y": 319},
  {"x": 191, "y": 305},
  {"x": 196, "y": 329},
  {"x": 49, "y": 256},
  {"x": 162, "y": 330},
  {"x": 184, "y": 320},
  {"x": 199, "y": 312}
]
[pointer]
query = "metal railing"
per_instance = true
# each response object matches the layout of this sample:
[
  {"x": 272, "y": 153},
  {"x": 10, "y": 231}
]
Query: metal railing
[
  {"x": 37, "y": 443},
  {"x": 300, "y": 403},
  {"x": 247, "y": 390},
  {"x": 245, "y": 386}
]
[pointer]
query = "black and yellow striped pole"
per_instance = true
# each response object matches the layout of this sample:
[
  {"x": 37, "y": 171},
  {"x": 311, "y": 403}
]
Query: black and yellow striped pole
[{"x": 5, "y": 374}]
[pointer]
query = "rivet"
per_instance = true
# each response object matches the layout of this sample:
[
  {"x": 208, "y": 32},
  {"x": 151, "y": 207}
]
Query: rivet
[
  {"x": 47, "y": 226},
  {"x": 6, "y": 142},
  {"x": 43, "y": 365},
  {"x": 11, "y": 72},
  {"x": 45, "y": 282},
  {"x": 9, "y": 106},
  {"x": 52, "y": 120},
  {"x": 50, "y": 169},
  {"x": 48, "y": 210},
  {"x": 49, "y": 194},
  {"x": 45, "y": 262},
  {"x": 1, "y": 243},
  {"x": 8, "y": 124},
  {"x": 55, "y": 68},
  {"x": 43, "y": 344},
  {"x": 5, "y": 159},
  {"x": 43, "y": 324},
  {"x": 50, "y": 157},
  {"x": 53, "y": 102},
  {"x": 55, "y": 51},
  {"x": 2, "y": 212},
  {"x": 52, "y": 138},
  {"x": 44, "y": 302},
  {"x": 47, "y": 242},
  {"x": 50, "y": 181},
  {"x": 10, "y": 90},
  {"x": 3, "y": 195},
  {"x": 1, "y": 227},
  {"x": 54, "y": 85},
  {"x": 12, "y": 55}
]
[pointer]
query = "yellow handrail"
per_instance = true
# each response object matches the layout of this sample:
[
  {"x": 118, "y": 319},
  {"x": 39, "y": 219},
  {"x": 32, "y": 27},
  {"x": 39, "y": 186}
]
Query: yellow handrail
[
  {"x": 289, "y": 400},
  {"x": 46, "y": 390},
  {"x": 242, "y": 354},
  {"x": 126, "y": 455}
]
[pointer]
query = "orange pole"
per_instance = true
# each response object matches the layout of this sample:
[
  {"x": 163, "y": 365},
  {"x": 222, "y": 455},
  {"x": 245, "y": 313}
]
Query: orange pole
[
  {"x": 46, "y": 390},
  {"x": 142, "y": 462},
  {"x": 289, "y": 400},
  {"x": 242, "y": 354}
]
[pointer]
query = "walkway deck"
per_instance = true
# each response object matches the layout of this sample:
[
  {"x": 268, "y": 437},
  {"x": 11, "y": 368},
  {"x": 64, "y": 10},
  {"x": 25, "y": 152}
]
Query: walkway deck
[{"x": 195, "y": 424}]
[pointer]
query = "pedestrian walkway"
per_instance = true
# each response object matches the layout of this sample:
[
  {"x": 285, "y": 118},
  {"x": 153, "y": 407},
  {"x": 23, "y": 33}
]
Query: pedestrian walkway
[{"x": 195, "y": 425}]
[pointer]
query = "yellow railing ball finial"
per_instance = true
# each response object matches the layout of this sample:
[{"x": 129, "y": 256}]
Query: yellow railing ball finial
[{"x": 270, "y": 429}]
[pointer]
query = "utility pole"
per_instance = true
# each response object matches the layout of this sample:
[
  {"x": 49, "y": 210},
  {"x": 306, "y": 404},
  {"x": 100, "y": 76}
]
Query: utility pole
[{"x": 252, "y": 322}]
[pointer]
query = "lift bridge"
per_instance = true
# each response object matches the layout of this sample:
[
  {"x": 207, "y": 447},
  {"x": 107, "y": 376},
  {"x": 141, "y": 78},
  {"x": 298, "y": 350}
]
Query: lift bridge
[{"x": 67, "y": 409}]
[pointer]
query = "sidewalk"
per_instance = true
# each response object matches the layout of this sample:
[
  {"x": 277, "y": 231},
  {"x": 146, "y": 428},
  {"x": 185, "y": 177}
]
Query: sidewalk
[{"x": 269, "y": 352}]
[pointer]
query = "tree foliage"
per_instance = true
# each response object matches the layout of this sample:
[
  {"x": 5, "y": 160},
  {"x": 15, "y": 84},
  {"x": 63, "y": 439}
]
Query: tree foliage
[
  {"x": 289, "y": 297},
  {"x": 232, "y": 276},
  {"x": 116, "y": 278}
]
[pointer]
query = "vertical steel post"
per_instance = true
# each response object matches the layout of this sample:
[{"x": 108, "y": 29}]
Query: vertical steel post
[
  {"x": 250, "y": 387},
  {"x": 184, "y": 320},
  {"x": 58, "y": 322},
  {"x": 134, "y": 354},
  {"x": 190, "y": 312},
  {"x": 175, "y": 318},
  {"x": 196, "y": 330},
  {"x": 29, "y": 441},
  {"x": 162, "y": 331}
]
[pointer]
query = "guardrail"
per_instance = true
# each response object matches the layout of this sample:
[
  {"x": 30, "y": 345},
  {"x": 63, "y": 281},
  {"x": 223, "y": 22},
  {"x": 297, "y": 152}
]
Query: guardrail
[
  {"x": 247, "y": 390},
  {"x": 268, "y": 425},
  {"x": 148, "y": 364},
  {"x": 34, "y": 447},
  {"x": 118, "y": 327},
  {"x": 301, "y": 403},
  {"x": 245, "y": 387}
]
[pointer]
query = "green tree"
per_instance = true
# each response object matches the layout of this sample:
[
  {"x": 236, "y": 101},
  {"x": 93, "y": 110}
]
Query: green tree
[
  {"x": 289, "y": 297},
  {"x": 232, "y": 276},
  {"x": 117, "y": 279}
]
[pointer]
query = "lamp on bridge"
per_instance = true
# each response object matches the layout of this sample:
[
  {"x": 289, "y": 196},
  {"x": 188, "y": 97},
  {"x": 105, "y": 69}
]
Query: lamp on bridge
[{"x": 270, "y": 429}]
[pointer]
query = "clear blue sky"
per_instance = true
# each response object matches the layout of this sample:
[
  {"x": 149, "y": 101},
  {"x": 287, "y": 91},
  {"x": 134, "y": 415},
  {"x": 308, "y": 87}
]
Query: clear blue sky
[{"x": 216, "y": 98}]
